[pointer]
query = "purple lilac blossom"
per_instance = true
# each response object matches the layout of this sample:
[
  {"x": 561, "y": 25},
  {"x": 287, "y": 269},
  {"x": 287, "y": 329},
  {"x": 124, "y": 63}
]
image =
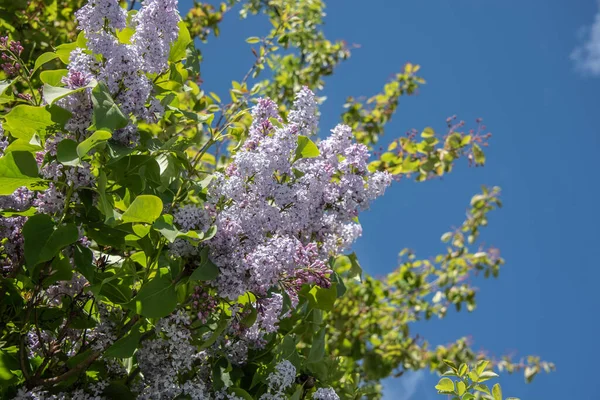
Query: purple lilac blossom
[
  {"x": 279, "y": 207},
  {"x": 325, "y": 394}
]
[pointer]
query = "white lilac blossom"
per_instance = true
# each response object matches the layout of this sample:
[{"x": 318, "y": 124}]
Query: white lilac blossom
[
  {"x": 325, "y": 394},
  {"x": 270, "y": 207}
]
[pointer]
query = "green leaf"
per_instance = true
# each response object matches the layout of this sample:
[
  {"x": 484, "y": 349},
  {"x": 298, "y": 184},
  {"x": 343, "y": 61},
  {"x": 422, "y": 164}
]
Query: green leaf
[
  {"x": 26, "y": 213},
  {"x": 7, "y": 363},
  {"x": 530, "y": 373},
  {"x": 43, "y": 240},
  {"x": 461, "y": 388},
  {"x": 64, "y": 51},
  {"x": 105, "y": 201},
  {"x": 445, "y": 385},
  {"x": 306, "y": 148},
  {"x": 207, "y": 271},
  {"x": 118, "y": 391},
  {"x": 297, "y": 394},
  {"x": 481, "y": 365},
  {"x": 322, "y": 298},
  {"x": 497, "y": 392},
  {"x": 83, "y": 258},
  {"x": 355, "y": 269},
  {"x": 66, "y": 152},
  {"x": 156, "y": 299},
  {"x": 94, "y": 140},
  {"x": 253, "y": 39},
  {"x": 215, "y": 335},
  {"x": 19, "y": 168},
  {"x": 250, "y": 318},
  {"x": 463, "y": 369},
  {"x": 144, "y": 208},
  {"x": 54, "y": 93},
  {"x": 126, "y": 346},
  {"x": 164, "y": 224},
  {"x": 482, "y": 388},
  {"x": 5, "y": 85},
  {"x": 61, "y": 271},
  {"x": 23, "y": 145},
  {"x": 468, "y": 396},
  {"x": 178, "y": 48},
  {"x": 107, "y": 115},
  {"x": 239, "y": 392},
  {"x": 428, "y": 132},
  {"x": 53, "y": 77},
  {"x": 486, "y": 375},
  {"x": 451, "y": 365},
  {"x": 24, "y": 121},
  {"x": 478, "y": 154},
  {"x": 43, "y": 59},
  {"x": 317, "y": 348}
]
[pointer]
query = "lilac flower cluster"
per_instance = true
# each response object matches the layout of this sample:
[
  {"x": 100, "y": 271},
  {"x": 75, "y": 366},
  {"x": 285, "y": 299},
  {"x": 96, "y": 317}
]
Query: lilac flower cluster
[
  {"x": 161, "y": 360},
  {"x": 123, "y": 66},
  {"x": 279, "y": 218},
  {"x": 279, "y": 380},
  {"x": 93, "y": 392},
  {"x": 10, "y": 51},
  {"x": 188, "y": 217},
  {"x": 156, "y": 28},
  {"x": 325, "y": 394}
]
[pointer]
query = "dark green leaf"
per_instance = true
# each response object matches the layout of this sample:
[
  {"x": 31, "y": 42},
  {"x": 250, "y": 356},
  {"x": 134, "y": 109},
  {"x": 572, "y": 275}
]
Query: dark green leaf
[
  {"x": 322, "y": 298},
  {"x": 66, "y": 152},
  {"x": 107, "y": 115},
  {"x": 239, "y": 392},
  {"x": 43, "y": 240},
  {"x": 207, "y": 271},
  {"x": 156, "y": 299},
  {"x": 317, "y": 348},
  {"x": 126, "y": 346}
]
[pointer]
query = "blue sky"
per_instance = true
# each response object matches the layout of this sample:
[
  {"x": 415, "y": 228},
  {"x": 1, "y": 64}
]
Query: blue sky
[{"x": 531, "y": 69}]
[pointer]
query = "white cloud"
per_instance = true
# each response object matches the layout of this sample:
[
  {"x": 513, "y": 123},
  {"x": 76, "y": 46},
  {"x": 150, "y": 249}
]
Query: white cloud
[
  {"x": 587, "y": 55},
  {"x": 404, "y": 387}
]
